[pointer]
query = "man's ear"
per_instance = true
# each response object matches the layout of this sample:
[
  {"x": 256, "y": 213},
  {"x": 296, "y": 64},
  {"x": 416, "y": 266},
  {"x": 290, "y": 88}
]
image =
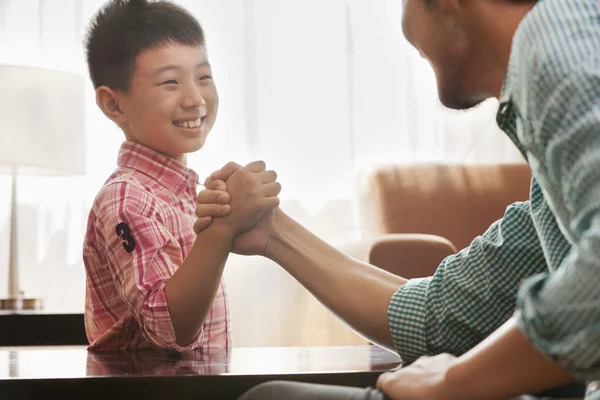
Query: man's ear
[{"x": 108, "y": 101}]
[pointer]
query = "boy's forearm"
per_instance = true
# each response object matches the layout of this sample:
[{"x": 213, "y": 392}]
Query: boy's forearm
[
  {"x": 191, "y": 290},
  {"x": 356, "y": 292},
  {"x": 503, "y": 366}
]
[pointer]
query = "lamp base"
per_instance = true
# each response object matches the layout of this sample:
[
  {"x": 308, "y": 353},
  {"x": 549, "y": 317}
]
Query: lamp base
[{"x": 20, "y": 304}]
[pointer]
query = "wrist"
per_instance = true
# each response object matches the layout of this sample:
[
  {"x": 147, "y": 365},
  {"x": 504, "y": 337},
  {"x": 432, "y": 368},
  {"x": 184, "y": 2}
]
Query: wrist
[
  {"x": 281, "y": 224},
  {"x": 221, "y": 229},
  {"x": 458, "y": 382}
]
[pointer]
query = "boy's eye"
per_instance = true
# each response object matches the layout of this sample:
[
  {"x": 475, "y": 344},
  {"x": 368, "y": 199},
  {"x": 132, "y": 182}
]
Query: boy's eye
[
  {"x": 205, "y": 77},
  {"x": 170, "y": 82}
]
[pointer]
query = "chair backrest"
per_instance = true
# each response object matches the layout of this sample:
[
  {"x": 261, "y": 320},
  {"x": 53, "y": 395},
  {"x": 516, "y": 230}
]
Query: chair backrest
[{"x": 455, "y": 201}]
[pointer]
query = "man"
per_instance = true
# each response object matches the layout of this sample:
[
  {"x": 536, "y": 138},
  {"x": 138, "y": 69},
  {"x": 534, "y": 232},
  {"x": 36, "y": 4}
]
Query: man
[{"x": 519, "y": 309}]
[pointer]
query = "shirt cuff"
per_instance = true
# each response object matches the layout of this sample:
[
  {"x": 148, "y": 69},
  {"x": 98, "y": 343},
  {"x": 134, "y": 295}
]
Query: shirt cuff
[
  {"x": 407, "y": 319},
  {"x": 536, "y": 320},
  {"x": 157, "y": 326}
]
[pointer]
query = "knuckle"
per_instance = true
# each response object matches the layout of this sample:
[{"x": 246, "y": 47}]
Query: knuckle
[
  {"x": 210, "y": 183},
  {"x": 204, "y": 197},
  {"x": 224, "y": 210},
  {"x": 259, "y": 165},
  {"x": 221, "y": 198}
]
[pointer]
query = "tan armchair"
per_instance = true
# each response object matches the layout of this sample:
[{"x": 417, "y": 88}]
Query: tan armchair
[{"x": 416, "y": 215}]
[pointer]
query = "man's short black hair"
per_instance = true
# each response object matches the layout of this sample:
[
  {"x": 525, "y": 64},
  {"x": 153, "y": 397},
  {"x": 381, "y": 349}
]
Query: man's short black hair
[
  {"x": 122, "y": 29},
  {"x": 430, "y": 2}
]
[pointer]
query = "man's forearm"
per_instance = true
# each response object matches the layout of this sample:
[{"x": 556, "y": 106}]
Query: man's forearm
[
  {"x": 191, "y": 290},
  {"x": 503, "y": 366},
  {"x": 358, "y": 293}
]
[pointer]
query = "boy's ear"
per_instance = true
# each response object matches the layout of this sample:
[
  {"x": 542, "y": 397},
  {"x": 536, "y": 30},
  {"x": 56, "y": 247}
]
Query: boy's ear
[{"x": 108, "y": 101}]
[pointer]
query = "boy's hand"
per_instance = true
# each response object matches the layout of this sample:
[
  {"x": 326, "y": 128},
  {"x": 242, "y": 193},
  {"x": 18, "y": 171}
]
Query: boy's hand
[
  {"x": 210, "y": 205},
  {"x": 253, "y": 190},
  {"x": 213, "y": 201}
]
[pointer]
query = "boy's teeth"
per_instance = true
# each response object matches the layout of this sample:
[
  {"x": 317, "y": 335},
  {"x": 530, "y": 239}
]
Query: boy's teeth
[{"x": 189, "y": 124}]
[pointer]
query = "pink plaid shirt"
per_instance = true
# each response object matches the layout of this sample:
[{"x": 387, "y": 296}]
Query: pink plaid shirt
[{"x": 140, "y": 229}]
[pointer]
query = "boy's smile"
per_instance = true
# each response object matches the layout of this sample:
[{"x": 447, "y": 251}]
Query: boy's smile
[
  {"x": 191, "y": 126},
  {"x": 172, "y": 102}
]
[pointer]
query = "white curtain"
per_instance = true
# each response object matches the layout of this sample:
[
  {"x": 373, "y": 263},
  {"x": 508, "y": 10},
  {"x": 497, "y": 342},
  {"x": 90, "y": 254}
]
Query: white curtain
[{"x": 319, "y": 89}]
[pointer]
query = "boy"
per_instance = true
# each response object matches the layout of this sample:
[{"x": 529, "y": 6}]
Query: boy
[{"x": 151, "y": 281}]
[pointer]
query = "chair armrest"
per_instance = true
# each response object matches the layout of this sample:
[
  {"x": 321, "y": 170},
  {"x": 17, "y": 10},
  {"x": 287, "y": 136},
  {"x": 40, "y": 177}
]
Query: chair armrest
[{"x": 406, "y": 255}]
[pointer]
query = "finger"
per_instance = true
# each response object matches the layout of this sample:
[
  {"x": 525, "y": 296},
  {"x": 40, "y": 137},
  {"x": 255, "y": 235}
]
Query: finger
[
  {"x": 271, "y": 189},
  {"x": 202, "y": 223},
  {"x": 270, "y": 203},
  {"x": 215, "y": 184},
  {"x": 212, "y": 210},
  {"x": 387, "y": 382},
  {"x": 257, "y": 166},
  {"x": 225, "y": 172},
  {"x": 382, "y": 380},
  {"x": 267, "y": 176},
  {"x": 213, "y": 196}
]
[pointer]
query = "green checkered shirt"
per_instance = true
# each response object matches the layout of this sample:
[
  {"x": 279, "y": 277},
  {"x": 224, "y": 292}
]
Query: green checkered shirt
[{"x": 541, "y": 261}]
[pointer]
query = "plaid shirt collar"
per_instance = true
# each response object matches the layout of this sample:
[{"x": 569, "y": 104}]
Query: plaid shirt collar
[
  {"x": 507, "y": 115},
  {"x": 174, "y": 176}
]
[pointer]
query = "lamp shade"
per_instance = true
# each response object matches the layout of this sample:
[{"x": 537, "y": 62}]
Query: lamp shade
[{"x": 42, "y": 120}]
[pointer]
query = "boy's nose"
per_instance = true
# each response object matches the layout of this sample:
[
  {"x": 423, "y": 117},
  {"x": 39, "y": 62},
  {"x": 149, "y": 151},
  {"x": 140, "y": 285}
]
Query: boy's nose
[{"x": 193, "y": 99}]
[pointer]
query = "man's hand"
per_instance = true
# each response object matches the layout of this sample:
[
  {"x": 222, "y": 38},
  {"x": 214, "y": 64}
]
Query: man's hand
[
  {"x": 256, "y": 240},
  {"x": 426, "y": 379},
  {"x": 503, "y": 366}
]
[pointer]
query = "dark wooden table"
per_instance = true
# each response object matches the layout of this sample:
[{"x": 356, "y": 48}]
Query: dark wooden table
[
  {"x": 39, "y": 328},
  {"x": 73, "y": 373}
]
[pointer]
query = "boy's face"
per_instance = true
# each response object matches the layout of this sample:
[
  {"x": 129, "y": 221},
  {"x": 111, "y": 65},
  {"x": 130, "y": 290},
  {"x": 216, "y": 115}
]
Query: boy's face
[{"x": 172, "y": 101}]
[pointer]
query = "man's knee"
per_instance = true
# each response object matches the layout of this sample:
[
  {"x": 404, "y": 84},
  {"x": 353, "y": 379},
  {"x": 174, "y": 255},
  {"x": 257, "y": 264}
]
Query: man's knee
[{"x": 273, "y": 390}]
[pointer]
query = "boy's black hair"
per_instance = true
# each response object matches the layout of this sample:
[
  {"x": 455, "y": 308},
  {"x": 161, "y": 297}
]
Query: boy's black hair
[{"x": 122, "y": 29}]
